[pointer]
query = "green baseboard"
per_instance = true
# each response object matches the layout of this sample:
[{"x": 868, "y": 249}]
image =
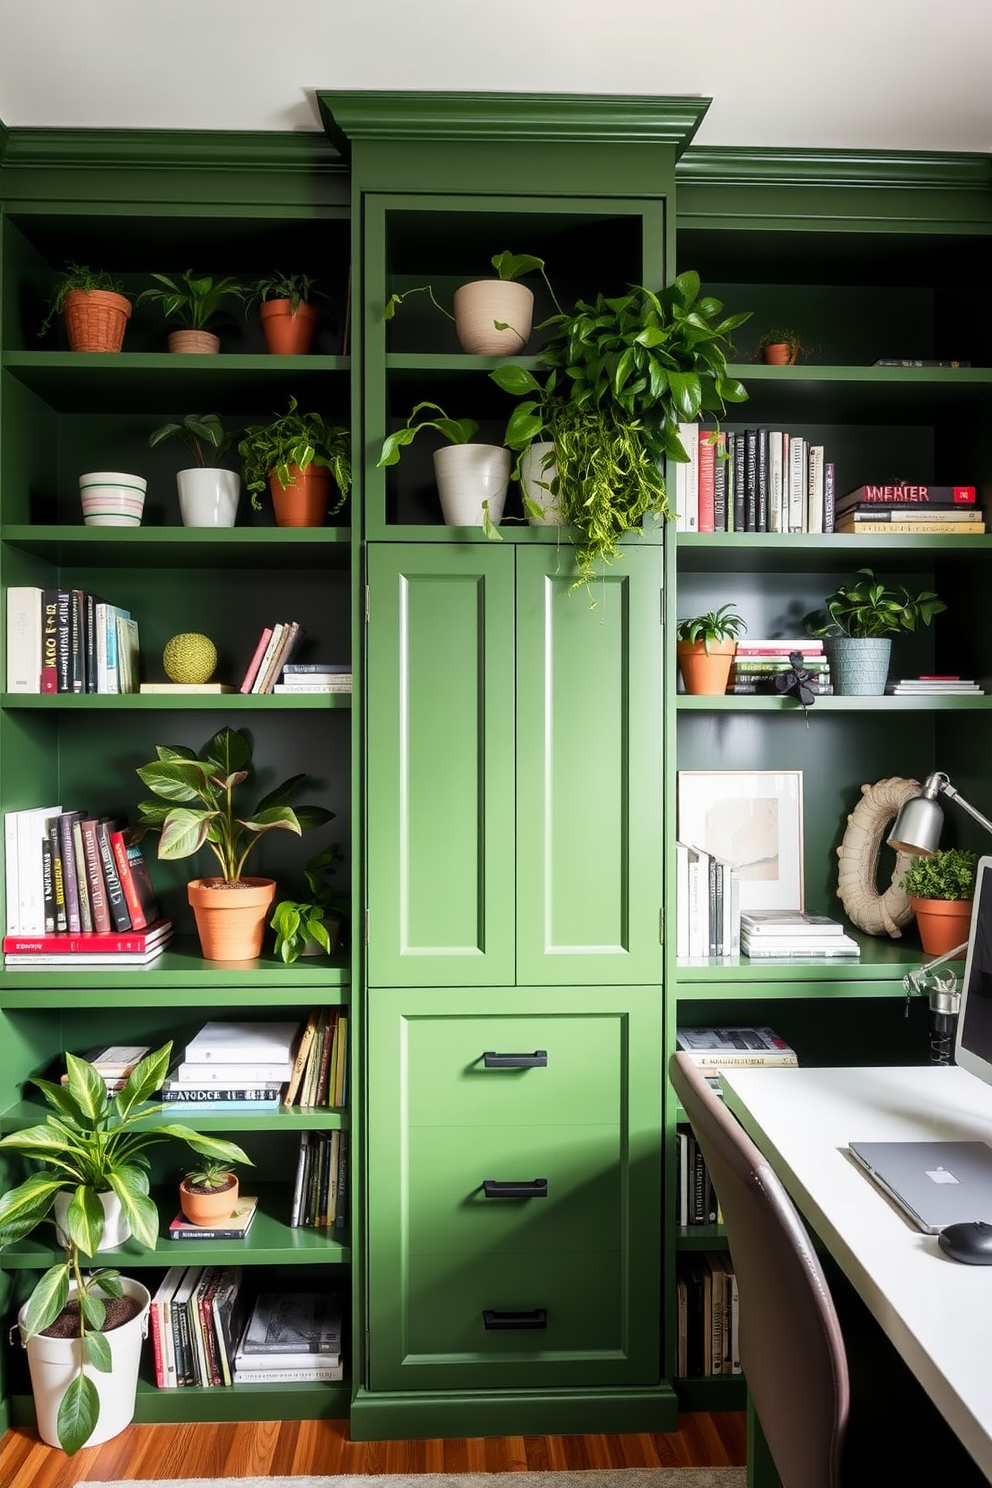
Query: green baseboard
[{"x": 405, "y": 1415}]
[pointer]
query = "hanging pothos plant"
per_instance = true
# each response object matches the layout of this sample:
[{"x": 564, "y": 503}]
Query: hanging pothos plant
[{"x": 624, "y": 373}]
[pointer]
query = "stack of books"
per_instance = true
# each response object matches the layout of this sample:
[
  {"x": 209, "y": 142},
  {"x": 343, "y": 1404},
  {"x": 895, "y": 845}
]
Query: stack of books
[
  {"x": 315, "y": 676},
  {"x": 933, "y": 686},
  {"x": 232, "y": 1067},
  {"x": 68, "y": 640},
  {"x": 114, "y": 1062},
  {"x": 757, "y": 663},
  {"x": 791, "y": 933},
  {"x": 70, "y": 952},
  {"x": 708, "y": 916},
  {"x": 736, "y": 1047},
  {"x": 320, "y": 1071},
  {"x": 291, "y": 1337},
  {"x": 755, "y": 480},
  {"x": 234, "y": 1227},
  {"x": 903, "y": 510},
  {"x": 276, "y": 646},
  {"x": 708, "y": 1316},
  {"x": 196, "y": 1318}
]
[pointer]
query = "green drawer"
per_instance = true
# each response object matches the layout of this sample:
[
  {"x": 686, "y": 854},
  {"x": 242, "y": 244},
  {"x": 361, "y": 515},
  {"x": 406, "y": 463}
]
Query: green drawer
[
  {"x": 449, "y": 1082},
  {"x": 450, "y": 1212}
]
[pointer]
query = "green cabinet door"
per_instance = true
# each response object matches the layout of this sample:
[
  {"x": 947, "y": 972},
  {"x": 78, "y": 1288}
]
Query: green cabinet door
[
  {"x": 513, "y": 1189},
  {"x": 589, "y": 770},
  {"x": 440, "y": 765}
]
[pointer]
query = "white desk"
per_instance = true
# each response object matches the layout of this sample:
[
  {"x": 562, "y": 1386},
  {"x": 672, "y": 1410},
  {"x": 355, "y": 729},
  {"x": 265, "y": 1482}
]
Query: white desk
[{"x": 937, "y": 1312}]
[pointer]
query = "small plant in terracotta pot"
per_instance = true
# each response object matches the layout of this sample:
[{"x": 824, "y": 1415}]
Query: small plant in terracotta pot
[
  {"x": 95, "y": 308},
  {"x": 706, "y": 645},
  {"x": 287, "y": 311},
  {"x": 208, "y": 1193},
  {"x": 778, "y": 348},
  {"x": 941, "y": 888},
  {"x": 297, "y": 456}
]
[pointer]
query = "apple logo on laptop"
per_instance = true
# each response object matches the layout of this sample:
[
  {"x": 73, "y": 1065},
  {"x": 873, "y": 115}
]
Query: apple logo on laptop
[{"x": 940, "y": 1175}]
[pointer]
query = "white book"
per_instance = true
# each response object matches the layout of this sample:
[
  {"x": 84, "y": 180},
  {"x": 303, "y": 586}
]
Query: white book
[
  {"x": 832, "y": 945},
  {"x": 735, "y": 1347},
  {"x": 161, "y": 1307},
  {"x": 814, "y": 511},
  {"x": 320, "y": 1373},
  {"x": 243, "y": 1043},
  {"x": 24, "y": 638},
  {"x": 275, "y": 641},
  {"x": 798, "y": 483},
  {"x": 31, "y": 832},
  {"x": 699, "y": 901},
  {"x": 11, "y": 875},
  {"x": 776, "y": 483},
  {"x": 107, "y": 665},
  {"x": 327, "y": 684},
  {"x": 253, "y": 1073},
  {"x": 789, "y": 922},
  {"x": 687, "y": 481}
]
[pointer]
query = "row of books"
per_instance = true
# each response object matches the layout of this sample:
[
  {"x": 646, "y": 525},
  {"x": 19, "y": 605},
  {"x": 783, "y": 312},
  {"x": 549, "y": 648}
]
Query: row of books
[
  {"x": 276, "y": 646},
  {"x": 695, "y": 1201},
  {"x": 291, "y": 1336},
  {"x": 707, "y": 897},
  {"x": 69, "y": 874},
  {"x": 708, "y": 1316},
  {"x": 906, "y": 510},
  {"x": 947, "y": 685},
  {"x": 320, "y": 1191},
  {"x": 316, "y": 676},
  {"x": 757, "y": 480},
  {"x": 320, "y": 1070},
  {"x": 68, "y": 640}
]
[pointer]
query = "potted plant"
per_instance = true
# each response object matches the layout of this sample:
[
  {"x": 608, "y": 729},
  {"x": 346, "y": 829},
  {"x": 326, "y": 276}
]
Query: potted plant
[
  {"x": 208, "y": 1192},
  {"x": 208, "y": 494},
  {"x": 287, "y": 311},
  {"x": 941, "y": 889},
  {"x": 778, "y": 348},
  {"x": 95, "y": 308},
  {"x": 83, "y": 1330},
  {"x": 311, "y": 926},
  {"x": 492, "y": 317},
  {"x": 705, "y": 648},
  {"x": 471, "y": 478},
  {"x": 194, "y": 302},
  {"x": 198, "y": 804},
  {"x": 297, "y": 455},
  {"x": 857, "y": 624},
  {"x": 625, "y": 372}
]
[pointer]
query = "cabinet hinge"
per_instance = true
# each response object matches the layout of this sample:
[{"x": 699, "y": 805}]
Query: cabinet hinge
[
  {"x": 661, "y": 927},
  {"x": 368, "y": 602},
  {"x": 366, "y": 927},
  {"x": 661, "y": 607}
]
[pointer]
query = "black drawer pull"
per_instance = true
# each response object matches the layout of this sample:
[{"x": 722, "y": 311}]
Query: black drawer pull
[
  {"x": 495, "y": 1321},
  {"x": 537, "y": 1060},
  {"x": 494, "y": 1188}
]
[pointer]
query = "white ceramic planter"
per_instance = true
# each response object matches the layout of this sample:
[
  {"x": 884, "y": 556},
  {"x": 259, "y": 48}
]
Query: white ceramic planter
[
  {"x": 54, "y": 1364},
  {"x": 111, "y": 498},
  {"x": 480, "y": 305},
  {"x": 208, "y": 498},
  {"x": 468, "y": 475},
  {"x": 115, "y": 1227},
  {"x": 535, "y": 478}
]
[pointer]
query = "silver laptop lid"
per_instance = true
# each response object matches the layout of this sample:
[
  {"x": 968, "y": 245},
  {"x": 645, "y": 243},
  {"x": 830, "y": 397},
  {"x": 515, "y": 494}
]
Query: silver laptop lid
[{"x": 934, "y": 1183}]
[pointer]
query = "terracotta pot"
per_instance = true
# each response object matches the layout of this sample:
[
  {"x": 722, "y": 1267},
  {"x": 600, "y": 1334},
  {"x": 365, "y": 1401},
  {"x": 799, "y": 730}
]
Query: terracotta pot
[
  {"x": 95, "y": 320},
  {"x": 480, "y": 305},
  {"x": 304, "y": 502},
  {"x": 779, "y": 354},
  {"x": 943, "y": 923},
  {"x": 230, "y": 920},
  {"x": 705, "y": 674},
  {"x": 287, "y": 334},
  {"x": 201, "y": 342},
  {"x": 208, "y": 1209}
]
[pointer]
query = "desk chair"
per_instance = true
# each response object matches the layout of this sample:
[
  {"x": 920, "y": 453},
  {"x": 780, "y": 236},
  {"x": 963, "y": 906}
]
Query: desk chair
[{"x": 791, "y": 1342}]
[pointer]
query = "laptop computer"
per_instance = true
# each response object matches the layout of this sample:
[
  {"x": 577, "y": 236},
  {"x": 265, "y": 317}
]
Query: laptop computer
[{"x": 939, "y": 1183}]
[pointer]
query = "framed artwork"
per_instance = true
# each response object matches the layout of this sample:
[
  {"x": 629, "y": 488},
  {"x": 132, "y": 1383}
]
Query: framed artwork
[{"x": 754, "y": 820}]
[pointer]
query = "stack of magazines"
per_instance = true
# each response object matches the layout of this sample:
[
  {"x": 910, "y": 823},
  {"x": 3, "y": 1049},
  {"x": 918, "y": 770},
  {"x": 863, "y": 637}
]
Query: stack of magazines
[
  {"x": 791, "y": 933},
  {"x": 291, "y": 1337}
]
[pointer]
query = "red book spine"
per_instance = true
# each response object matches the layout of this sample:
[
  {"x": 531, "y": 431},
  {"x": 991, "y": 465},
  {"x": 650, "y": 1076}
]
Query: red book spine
[
  {"x": 156, "y": 1326},
  {"x": 94, "y": 871},
  {"x": 253, "y": 665},
  {"x": 134, "y": 907},
  {"x": 143, "y": 940},
  {"x": 707, "y": 520}
]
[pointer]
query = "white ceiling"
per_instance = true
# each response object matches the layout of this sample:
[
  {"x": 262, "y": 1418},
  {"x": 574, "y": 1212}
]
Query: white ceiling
[{"x": 861, "y": 74}]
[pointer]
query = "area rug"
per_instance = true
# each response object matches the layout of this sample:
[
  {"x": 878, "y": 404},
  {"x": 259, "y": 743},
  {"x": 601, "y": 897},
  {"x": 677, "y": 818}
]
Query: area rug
[{"x": 628, "y": 1477}]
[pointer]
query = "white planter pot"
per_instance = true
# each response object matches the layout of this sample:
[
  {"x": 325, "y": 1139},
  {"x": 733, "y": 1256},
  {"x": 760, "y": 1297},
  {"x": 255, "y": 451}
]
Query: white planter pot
[
  {"x": 115, "y": 1227},
  {"x": 480, "y": 305},
  {"x": 112, "y": 498},
  {"x": 208, "y": 498},
  {"x": 535, "y": 478},
  {"x": 467, "y": 475},
  {"x": 54, "y": 1364}
]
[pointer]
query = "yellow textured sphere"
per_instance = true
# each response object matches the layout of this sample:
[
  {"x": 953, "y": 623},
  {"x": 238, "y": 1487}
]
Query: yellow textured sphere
[{"x": 189, "y": 658}]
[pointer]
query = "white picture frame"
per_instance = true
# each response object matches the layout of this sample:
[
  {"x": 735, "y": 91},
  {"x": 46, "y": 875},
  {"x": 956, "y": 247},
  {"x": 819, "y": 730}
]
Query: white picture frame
[{"x": 754, "y": 820}]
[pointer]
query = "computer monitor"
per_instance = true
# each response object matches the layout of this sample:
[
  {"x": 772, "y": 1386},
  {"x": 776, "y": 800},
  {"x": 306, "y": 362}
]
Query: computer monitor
[{"x": 973, "y": 1041}]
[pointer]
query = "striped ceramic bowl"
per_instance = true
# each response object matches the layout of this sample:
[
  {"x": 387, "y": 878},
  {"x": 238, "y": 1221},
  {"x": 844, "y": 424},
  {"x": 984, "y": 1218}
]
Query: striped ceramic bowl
[{"x": 111, "y": 498}]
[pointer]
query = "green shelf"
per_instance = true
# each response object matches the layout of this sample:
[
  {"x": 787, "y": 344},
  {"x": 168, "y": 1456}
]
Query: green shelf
[
  {"x": 305, "y": 1401},
  {"x": 280, "y": 548},
  {"x": 755, "y": 703},
  {"x": 133, "y": 702},
  {"x": 284, "y": 1119},
  {"x": 828, "y": 553}
]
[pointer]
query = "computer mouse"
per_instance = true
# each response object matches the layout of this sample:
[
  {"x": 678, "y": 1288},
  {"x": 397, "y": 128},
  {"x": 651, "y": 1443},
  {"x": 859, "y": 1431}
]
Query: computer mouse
[{"x": 970, "y": 1241}]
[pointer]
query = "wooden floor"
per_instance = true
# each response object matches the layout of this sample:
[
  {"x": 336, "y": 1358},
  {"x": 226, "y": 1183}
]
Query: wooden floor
[{"x": 297, "y": 1448}]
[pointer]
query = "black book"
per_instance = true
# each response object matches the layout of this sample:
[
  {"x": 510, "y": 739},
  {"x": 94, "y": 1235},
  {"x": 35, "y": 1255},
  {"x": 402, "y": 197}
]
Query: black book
[
  {"x": 750, "y": 480},
  {"x": 761, "y": 503},
  {"x": 63, "y": 640},
  {"x": 740, "y": 447},
  {"x": 119, "y": 917},
  {"x": 58, "y": 880},
  {"x": 48, "y": 886}
]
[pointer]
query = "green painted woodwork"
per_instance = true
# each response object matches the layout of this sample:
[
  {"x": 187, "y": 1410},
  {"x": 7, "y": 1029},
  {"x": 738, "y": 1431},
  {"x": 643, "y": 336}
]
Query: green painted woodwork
[
  {"x": 440, "y": 1253},
  {"x": 409, "y": 1415}
]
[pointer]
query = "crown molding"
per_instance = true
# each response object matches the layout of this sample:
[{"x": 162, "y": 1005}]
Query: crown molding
[
  {"x": 705, "y": 165},
  {"x": 168, "y": 149},
  {"x": 510, "y": 117}
]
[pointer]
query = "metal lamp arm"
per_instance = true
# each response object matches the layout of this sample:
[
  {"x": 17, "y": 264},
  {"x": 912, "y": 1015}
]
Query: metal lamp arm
[{"x": 945, "y": 787}]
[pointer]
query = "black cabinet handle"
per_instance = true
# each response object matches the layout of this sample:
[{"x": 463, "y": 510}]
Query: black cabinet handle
[
  {"x": 494, "y": 1188},
  {"x": 537, "y": 1060},
  {"x": 496, "y": 1321}
]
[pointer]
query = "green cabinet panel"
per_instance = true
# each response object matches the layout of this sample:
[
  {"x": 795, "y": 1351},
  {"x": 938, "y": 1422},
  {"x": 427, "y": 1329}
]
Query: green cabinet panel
[
  {"x": 440, "y": 766},
  {"x": 589, "y": 771},
  {"x": 579, "y": 1271}
]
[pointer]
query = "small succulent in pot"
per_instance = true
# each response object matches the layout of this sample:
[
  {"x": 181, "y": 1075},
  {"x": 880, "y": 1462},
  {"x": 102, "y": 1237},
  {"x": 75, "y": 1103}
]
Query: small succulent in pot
[
  {"x": 723, "y": 624},
  {"x": 209, "y": 1192}
]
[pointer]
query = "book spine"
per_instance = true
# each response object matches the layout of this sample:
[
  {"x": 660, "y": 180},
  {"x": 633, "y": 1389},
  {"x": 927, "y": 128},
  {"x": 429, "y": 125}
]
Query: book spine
[
  {"x": 721, "y": 470},
  {"x": 119, "y": 918},
  {"x": 288, "y": 1376},
  {"x": 94, "y": 877},
  {"x": 267, "y": 655},
  {"x": 155, "y": 1322},
  {"x": 48, "y": 885},
  {"x": 197, "y": 1095},
  {"x": 252, "y": 670},
  {"x": 293, "y": 644},
  {"x": 761, "y": 480},
  {"x": 58, "y": 875},
  {"x": 740, "y": 482},
  {"x": 910, "y": 496},
  {"x": 118, "y": 847},
  {"x": 24, "y": 638},
  {"x": 750, "y": 480},
  {"x": 687, "y": 481},
  {"x": 82, "y": 878},
  {"x": 273, "y": 665},
  {"x": 63, "y": 641},
  {"x": 341, "y": 1198},
  {"x": 776, "y": 510},
  {"x": 49, "y": 640},
  {"x": 798, "y": 484},
  {"x": 911, "y": 529},
  {"x": 77, "y": 636},
  {"x": 70, "y": 878},
  {"x": 814, "y": 518},
  {"x": 705, "y": 458},
  {"x": 89, "y": 617},
  {"x": 829, "y": 495}
]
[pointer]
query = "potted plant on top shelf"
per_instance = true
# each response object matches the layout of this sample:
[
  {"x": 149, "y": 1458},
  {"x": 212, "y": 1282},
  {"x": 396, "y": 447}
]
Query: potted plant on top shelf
[
  {"x": 297, "y": 455},
  {"x": 287, "y": 311},
  {"x": 195, "y": 302},
  {"x": 778, "y": 348},
  {"x": 941, "y": 888},
  {"x": 705, "y": 648},
  {"x": 82, "y": 1330},
  {"x": 471, "y": 477},
  {"x": 198, "y": 805},
  {"x": 208, "y": 494},
  {"x": 492, "y": 317},
  {"x": 857, "y": 625},
  {"x": 95, "y": 308}
]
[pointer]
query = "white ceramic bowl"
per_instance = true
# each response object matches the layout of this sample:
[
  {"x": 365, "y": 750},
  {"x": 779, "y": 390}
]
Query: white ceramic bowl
[{"x": 112, "y": 498}]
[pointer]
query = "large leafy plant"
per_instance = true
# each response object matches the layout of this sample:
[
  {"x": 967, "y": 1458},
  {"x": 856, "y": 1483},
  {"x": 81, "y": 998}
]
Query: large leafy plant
[
  {"x": 91, "y": 1142},
  {"x": 868, "y": 609},
  {"x": 199, "y": 802},
  {"x": 193, "y": 301},
  {"x": 294, "y": 439}
]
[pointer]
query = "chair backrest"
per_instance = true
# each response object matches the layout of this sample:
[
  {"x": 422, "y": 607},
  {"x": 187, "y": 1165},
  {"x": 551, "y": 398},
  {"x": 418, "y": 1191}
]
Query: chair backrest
[{"x": 791, "y": 1345}]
